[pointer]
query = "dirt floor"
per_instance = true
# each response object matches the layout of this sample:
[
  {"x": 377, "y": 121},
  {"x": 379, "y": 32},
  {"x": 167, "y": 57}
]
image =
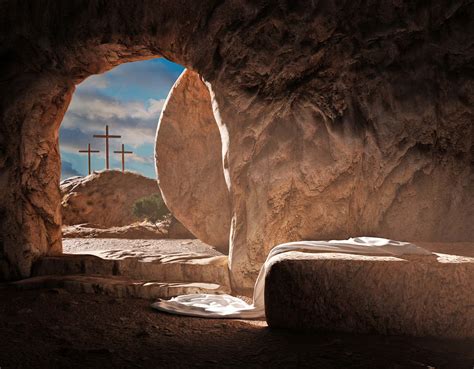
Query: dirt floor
[{"x": 57, "y": 329}]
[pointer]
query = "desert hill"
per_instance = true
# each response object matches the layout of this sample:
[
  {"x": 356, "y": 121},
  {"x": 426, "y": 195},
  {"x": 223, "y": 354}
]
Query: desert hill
[{"x": 101, "y": 205}]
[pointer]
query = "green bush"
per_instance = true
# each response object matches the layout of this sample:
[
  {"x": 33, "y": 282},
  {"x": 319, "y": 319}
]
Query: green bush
[{"x": 152, "y": 208}]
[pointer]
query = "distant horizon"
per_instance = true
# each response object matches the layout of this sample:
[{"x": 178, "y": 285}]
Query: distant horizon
[
  {"x": 110, "y": 169},
  {"x": 128, "y": 98}
]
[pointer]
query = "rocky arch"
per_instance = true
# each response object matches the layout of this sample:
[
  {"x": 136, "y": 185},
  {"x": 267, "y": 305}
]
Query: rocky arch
[
  {"x": 47, "y": 48},
  {"x": 343, "y": 117}
]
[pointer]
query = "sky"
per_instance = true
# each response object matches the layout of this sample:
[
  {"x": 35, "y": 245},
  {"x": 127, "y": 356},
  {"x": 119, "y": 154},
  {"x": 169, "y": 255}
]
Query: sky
[{"x": 129, "y": 98}]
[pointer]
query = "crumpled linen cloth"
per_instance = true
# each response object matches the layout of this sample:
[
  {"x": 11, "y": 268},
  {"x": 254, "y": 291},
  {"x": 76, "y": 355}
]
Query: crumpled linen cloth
[{"x": 227, "y": 306}]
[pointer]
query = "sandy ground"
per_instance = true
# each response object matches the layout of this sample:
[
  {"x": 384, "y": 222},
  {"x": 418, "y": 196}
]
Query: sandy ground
[
  {"x": 149, "y": 247},
  {"x": 56, "y": 329}
]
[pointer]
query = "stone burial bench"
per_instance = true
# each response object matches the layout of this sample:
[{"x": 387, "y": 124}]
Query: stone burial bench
[{"x": 417, "y": 296}]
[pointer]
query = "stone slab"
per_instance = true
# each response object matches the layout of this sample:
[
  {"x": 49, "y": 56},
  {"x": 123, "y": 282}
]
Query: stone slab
[
  {"x": 118, "y": 286},
  {"x": 427, "y": 296},
  {"x": 169, "y": 268}
]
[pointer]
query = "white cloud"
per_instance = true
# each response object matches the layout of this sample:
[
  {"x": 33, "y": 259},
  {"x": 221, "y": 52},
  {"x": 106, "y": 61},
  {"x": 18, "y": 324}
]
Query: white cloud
[
  {"x": 155, "y": 106},
  {"x": 94, "y": 107},
  {"x": 142, "y": 159},
  {"x": 97, "y": 81},
  {"x": 127, "y": 98},
  {"x": 90, "y": 112}
]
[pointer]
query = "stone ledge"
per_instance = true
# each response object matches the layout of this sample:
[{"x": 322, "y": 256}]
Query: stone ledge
[
  {"x": 177, "y": 267},
  {"x": 117, "y": 286},
  {"x": 387, "y": 295}
]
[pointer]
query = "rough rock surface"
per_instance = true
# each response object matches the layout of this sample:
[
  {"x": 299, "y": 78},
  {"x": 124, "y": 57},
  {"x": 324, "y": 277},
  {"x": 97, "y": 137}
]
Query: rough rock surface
[
  {"x": 169, "y": 228},
  {"x": 189, "y": 162},
  {"x": 104, "y": 198},
  {"x": 419, "y": 296},
  {"x": 337, "y": 118},
  {"x": 174, "y": 229}
]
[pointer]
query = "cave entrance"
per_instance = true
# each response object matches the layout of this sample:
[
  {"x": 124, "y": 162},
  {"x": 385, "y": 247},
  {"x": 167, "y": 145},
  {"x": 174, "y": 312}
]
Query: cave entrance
[
  {"x": 107, "y": 140},
  {"x": 115, "y": 221},
  {"x": 129, "y": 99},
  {"x": 100, "y": 199},
  {"x": 40, "y": 80}
]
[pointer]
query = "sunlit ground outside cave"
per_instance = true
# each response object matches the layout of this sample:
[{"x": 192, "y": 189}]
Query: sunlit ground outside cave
[{"x": 236, "y": 185}]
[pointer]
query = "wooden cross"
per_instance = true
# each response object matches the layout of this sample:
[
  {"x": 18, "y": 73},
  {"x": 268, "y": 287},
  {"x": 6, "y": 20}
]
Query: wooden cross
[
  {"x": 88, "y": 151},
  {"x": 107, "y": 136},
  {"x": 123, "y": 152}
]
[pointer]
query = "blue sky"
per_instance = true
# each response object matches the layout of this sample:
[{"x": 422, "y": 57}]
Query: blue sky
[{"x": 129, "y": 98}]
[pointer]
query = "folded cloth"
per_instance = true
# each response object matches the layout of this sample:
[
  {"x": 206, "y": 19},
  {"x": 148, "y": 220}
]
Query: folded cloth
[{"x": 226, "y": 306}]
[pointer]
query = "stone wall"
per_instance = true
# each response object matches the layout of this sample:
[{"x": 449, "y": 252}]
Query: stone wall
[{"x": 337, "y": 118}]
